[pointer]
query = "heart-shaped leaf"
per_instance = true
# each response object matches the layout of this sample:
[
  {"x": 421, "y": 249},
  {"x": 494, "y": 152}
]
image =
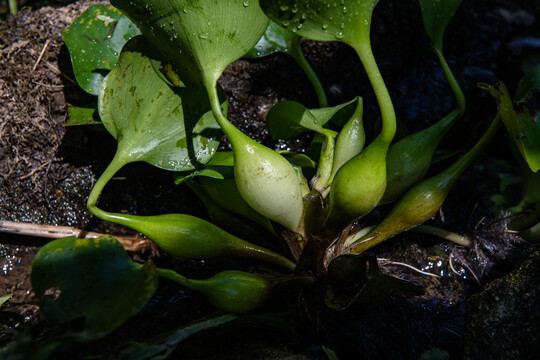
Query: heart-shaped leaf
[
  {"x": 201, "y": 37},
  {"x": 90, "y": 284},
  {"x": 290, "y": 119},
  {"x": 171, "y": 128},
  {"x": 346, "y": 21},
  {"x": 437, "y": 14},
  {"x": 94, "y": 41}
]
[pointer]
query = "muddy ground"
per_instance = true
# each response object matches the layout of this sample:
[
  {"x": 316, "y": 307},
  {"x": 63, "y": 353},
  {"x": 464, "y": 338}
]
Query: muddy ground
[{"x": 47, "y": 171}]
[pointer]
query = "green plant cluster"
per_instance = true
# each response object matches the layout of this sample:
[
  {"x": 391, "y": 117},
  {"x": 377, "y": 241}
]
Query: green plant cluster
[{"x": 154, "y": 68}]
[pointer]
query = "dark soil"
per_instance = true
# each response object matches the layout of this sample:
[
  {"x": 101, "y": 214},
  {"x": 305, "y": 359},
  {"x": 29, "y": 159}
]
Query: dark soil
[{"x": 47, "y": 171}]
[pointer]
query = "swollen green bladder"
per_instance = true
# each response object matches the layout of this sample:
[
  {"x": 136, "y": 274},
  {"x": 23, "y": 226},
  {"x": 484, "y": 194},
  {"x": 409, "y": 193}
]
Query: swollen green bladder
[
  {"x": 188, "y": 236},
  {"x": 232, "y": 291}
]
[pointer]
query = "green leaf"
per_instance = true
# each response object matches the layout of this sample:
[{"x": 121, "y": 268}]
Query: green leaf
[
  {"x": 331, "y": 354},
  {"x": 437, "y": 14},
  {"x": 275, "y": 39},
  {"x": 83, "y": 115},
  {"x": 200, "y": 37},
  {"x": 523, "y": 128},
  {"x": 338, "y": 114},
  {"x": 162, "y": 346},
  {"x": 297, "y": 159},
  {"x": 290, "y": 119},
  {"x": 529, "y": 82},
  {"x": 94, "y": 41},
  {"x": 346, "y": 21},
  {"x": 171, "y": 128},
  {"x": 5, "y": 298},
  {"x": 90, "y": 284},
  {"x": 219, "y": 167}
]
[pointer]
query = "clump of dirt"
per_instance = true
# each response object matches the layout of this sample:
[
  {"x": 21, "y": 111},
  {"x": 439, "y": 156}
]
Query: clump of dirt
[{"x": 33, "y": 180}]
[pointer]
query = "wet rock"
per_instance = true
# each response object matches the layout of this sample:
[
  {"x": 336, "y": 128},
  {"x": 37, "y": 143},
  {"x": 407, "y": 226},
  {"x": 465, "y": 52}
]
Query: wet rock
[{"x": 503, "y": 321}]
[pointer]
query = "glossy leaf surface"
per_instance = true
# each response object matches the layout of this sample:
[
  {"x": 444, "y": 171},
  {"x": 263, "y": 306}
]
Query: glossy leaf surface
[
  {"x": 171, "y": 128},
  {"x": 289, "y": 119},
  {"x": 322, "y": 20},
  {"x": 200, "y": 37},
  {"x": 275, "y": 39},
  {"x": 437, "y": 14},
  {"x": 94, "y": 41},
  {"x": 92, "y": 283}
]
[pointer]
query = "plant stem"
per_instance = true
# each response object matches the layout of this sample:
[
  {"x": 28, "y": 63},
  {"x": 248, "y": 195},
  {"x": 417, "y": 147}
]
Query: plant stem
[
  {"x": 299, "y": 57},
  {"x": 445, "y": 234},
  {"x": 454, "y": 85},
  {"x": 172, "y": 275},
  {"x": 228, "y": 128},
  {"x": 388, "y": 115},
  {"x": 13, "y": 7},
  {"x": 116, "y": 164}
]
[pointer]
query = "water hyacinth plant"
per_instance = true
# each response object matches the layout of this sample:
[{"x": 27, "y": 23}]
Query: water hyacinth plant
[{"x": 160, "y": 99}]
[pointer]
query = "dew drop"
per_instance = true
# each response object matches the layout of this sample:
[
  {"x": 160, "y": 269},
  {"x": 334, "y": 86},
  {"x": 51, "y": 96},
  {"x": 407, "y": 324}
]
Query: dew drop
[
  {"x": 324, "y": 26},
  {"x": 203, "y": 35},
  {"x": 185, "y": 10},
  {"x": 285, "y": 23},
  {"x": 283, "y": 7},
  {"x": 339, "y": 35},
  {"x": 246, "y": 3}
]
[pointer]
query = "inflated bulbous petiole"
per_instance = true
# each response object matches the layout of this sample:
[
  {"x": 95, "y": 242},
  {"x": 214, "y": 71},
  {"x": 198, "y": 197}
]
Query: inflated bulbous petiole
[
  {"x": 187, "y": 236},
  {"x": 358, "y": 186},
  {"x": 421, "y": 202},
  {"x": 237, "y": 291},
  {"x": 232, "y": 291},
  {"x": 409, "y": 159},
  {"x": 265, "y": 179}
]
